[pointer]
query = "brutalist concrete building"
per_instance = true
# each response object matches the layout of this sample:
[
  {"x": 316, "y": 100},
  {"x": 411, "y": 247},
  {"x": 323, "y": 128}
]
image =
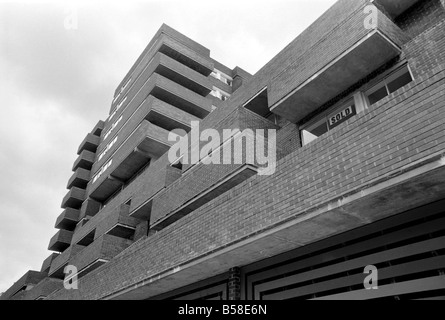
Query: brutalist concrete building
[{"x": 357, "y": 102}]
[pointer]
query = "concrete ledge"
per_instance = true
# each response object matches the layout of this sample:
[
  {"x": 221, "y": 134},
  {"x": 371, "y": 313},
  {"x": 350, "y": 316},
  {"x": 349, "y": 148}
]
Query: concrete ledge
[
  {"x": 382, "y": 199},
  {"x": 90, "y": 143},
  {"x": 60, "y": 241}
]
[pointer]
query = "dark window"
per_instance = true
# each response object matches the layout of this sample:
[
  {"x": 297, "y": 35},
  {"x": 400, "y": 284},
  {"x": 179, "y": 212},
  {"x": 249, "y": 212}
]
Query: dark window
[
  {"x": 390, "y": 84},
  {"x": 328, "y": 120}
]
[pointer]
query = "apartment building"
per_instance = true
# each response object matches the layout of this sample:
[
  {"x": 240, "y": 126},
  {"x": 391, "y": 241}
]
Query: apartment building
[{"x": 357, "y": 102}]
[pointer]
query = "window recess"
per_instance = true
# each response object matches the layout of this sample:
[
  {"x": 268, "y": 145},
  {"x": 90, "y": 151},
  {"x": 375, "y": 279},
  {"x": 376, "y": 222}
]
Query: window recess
[
  {"x": 391, "y": 83},
  {"x": 327, "y": 120},
  {"x": 357, "y": 103}
]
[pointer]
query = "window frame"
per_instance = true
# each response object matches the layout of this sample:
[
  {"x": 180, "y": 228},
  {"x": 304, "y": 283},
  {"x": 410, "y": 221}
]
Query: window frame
[
  {"x": 324, "y": 117},
  {"x": 384, "y": 80},
  {"x": 359, "y": 98}
]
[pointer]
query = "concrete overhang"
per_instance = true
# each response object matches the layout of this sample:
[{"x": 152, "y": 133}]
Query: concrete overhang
[
  {"x": 42, "y": 289},
  {"x": 156, "y": 111},
  {"x": 155, "y": 86},
  {"x": 92, "y": 266},
  {"x": 179, "y": 73},
  {"x": 89, "y": 208},
  {"x": 60, "y": 241},
  {"x": 147, "y": 142},
  {"x": 87, "y": 239},
  {"x": 79, "y": 179},
  {"x": 98, "y": 252},
  {"x": 47, "y": 262},
  {"x": 29, "y": 279},
  {"x": 151, "y": 145},
  {"x": 366, "y": 56},
  {"x": 97, "y": 130},
  {"x": 105, "y": 188},
  {"x": 59, "y": 263},
  {"x": 419, "y": 184},
  {"x": 90, "y": 143},
  {"x": 181, "y": 53},
  {"x": 395, "y": 7},
  {"x": 68, "y": 219},
  {"x": 180, "y": 97},
  {"x": 230, "y": 181},
  {"x": 74, "y": 198},
  {"x": 122, "y": 231}
]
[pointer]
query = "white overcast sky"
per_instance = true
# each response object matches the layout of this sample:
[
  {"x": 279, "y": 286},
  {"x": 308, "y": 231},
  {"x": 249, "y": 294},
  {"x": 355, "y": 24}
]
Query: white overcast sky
[{"x": 55, "y": 84}]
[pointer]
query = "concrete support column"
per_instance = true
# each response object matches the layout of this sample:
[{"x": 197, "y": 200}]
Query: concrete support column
[{"x": 235, "y": 283}]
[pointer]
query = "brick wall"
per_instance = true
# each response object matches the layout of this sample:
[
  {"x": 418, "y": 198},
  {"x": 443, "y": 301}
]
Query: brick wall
[
  {"x": 405, "y": 127},
  {"x": 104, "y": 247},
  {"x": 375, "y": 143}
]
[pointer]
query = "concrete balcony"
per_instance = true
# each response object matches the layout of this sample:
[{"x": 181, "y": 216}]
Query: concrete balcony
[
  {"x": 164, "y": 59},
  {"x": 119, "y": 224},
  {"x": 181, "y": 74},
  {"x": 90, "y": 143},
  {"x": 180, "y": 97},
  {"x": 114, "y": 222},
  {"x": 192, "y": 55},
  {"x": 43, "y": 289},
  {"x": 97, "y": 130},
  {"x": 168, "y": 117},
  {"x": 73, "y": 198},
  {"x": 79, "y": 179},
  {"x": 99, "y": 252},
  {"x": 161, "y": 217},
  {"x": 68, "y": 219},
  {"x": 46, "y": 265},
  {"x": 147, "y": 142},
  {"x": 395, "y": 7},
  {"x": 60, "y": 262},
  {"x": 181, "y": 53},
  {"x": 334, "y": 66},
  {"x": 157, "y": 112},
  {"x": 163, "y": 89},
  {"x": 89, "y": 208},
  {"x": 161, "y": 176},
  {"x": 60, "y": 241},
  {"x": 85, "y": 160}
]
